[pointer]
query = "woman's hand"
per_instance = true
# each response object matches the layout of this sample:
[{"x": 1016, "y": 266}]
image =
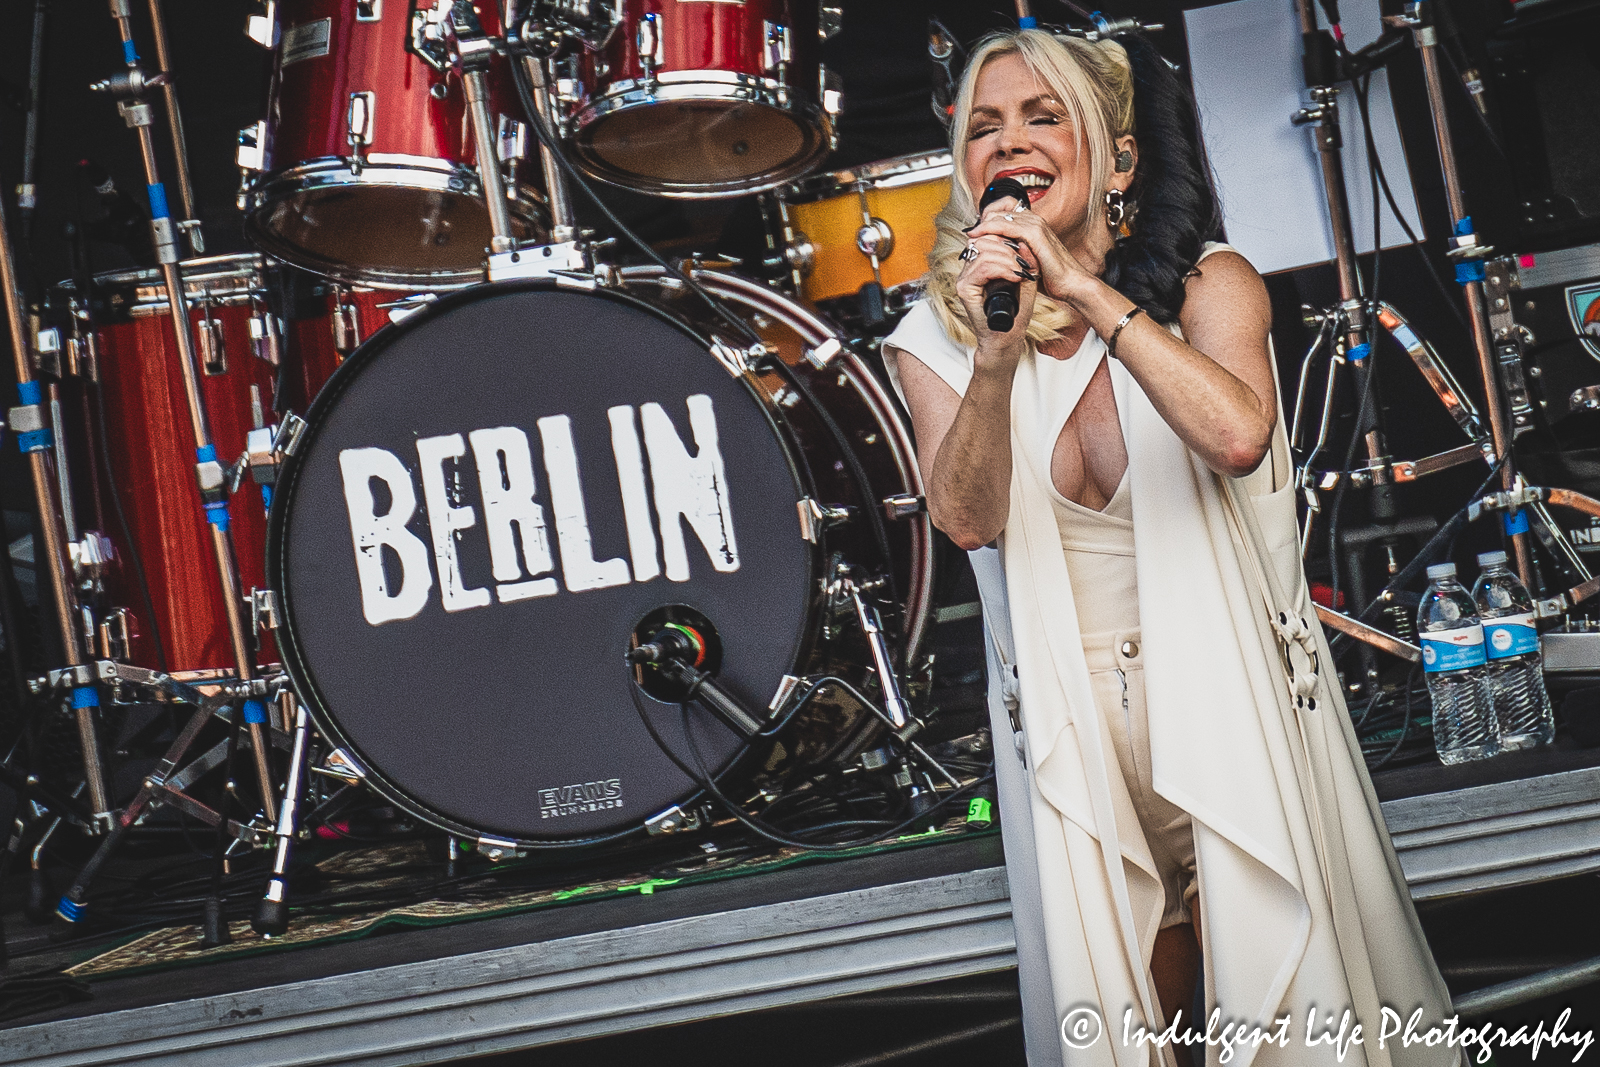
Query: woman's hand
[
  {"x": 1061, "y": 275},
  {"x": 993, "y": 257}
]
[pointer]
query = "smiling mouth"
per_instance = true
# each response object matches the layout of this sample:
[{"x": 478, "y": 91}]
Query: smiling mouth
[{"x": 1037, "y": 185}]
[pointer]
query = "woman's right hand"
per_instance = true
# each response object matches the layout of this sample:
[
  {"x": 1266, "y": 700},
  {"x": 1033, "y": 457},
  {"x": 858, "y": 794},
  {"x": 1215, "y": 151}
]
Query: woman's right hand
[{"x": 996, "y": 259}]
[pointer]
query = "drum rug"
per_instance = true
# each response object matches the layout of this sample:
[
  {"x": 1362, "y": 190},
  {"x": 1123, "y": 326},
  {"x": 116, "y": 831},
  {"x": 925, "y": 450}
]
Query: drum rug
[{"x": 368, "y": 880}]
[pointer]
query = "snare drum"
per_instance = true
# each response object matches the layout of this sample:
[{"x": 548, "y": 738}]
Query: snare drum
[
  {"x": 371, "y": 167},
  {"x": 705, "y": 99},
  {"x": 851, "y": 228},
  {"x": 477, "y": 527}
]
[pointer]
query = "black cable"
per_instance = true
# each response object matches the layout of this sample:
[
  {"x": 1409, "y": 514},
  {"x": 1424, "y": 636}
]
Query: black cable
[
  {"x": 1451, "y": 298},
  {"x": 1405, "y": 724},
  {"x": 1362, "y": 86},
  {"x": 1369, "y": 375},
  {"x": 787, "y": 841}
]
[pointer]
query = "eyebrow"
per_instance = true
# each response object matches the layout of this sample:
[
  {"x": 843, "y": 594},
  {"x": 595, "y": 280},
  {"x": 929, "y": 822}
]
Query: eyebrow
[{"x": 1043, "y": 100}]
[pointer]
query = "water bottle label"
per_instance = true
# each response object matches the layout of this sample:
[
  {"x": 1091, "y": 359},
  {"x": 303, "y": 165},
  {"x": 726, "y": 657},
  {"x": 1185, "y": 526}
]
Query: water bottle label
[
  {"x": 1453, "y": 650},
  {"x": 1513, "y": 635}
]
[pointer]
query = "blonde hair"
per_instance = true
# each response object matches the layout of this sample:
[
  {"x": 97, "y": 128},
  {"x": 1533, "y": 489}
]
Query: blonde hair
[{"x": 1093, "y": 83}]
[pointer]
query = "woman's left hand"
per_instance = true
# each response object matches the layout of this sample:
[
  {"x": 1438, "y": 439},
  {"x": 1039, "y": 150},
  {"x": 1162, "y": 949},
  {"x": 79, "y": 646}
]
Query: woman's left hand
[{"x": 1061, "y": 275}]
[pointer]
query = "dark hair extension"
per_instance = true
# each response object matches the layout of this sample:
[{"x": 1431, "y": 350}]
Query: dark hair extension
[{"x": 1177, "y": 210}]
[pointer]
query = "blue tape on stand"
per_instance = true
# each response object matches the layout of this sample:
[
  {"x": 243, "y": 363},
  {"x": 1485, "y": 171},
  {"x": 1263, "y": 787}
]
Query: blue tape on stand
[
  {"x": 129, "y": 52},
  {"x": 1470, "y": 271},
  {"x": 36, "y": 440},
  {"x": 206, "y": 454},
  {"x": 1359, "y": 352},
  {"x": 158, "y": 201},
  {"x": 30, "y": 393},
  {"x": 1463, "y": 225},
  {"x": 86, "y": 696},
  {"x": 1027, "y": 22},
  {"x": 266, "y": 497},
  {"x": 1515, "y": 522},
  {"x": 70, "y": 910},
  {"x": 217, "y": 515},
  {"x": 255, "y": 711}
]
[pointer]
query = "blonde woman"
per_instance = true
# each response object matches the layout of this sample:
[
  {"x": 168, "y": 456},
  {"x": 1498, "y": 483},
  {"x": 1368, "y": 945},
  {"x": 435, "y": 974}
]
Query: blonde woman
[{"x": 1122, "y": 444}]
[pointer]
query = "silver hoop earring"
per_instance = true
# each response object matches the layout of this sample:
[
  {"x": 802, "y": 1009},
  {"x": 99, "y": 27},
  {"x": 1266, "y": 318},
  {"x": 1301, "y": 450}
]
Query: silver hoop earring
[{"x": 1115, "y": 209}]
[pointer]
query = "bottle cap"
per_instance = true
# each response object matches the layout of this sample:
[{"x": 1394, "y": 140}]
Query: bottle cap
[
  {"x": 1490, "y": 559},
  {"x": 1441, "y": 570}
]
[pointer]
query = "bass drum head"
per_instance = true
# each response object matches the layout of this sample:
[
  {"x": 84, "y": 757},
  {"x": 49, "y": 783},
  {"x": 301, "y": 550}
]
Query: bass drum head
[{"x": 488, "y": 499}]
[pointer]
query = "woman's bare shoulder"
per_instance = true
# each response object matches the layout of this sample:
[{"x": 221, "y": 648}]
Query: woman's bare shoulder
[{"x": 1225, "y": 284}]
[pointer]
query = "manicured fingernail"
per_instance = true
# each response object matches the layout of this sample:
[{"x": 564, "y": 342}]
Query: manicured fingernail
[
  {"x": 969, "y": 229},
  {"x": 1024, "y": 264}
]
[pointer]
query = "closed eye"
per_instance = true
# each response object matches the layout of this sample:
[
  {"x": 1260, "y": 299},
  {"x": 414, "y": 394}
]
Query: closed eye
[{"x": 982, "y": 131}]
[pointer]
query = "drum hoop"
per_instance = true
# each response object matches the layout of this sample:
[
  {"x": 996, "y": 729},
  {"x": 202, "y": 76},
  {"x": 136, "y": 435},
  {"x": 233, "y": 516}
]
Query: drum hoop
[
  {"x": 294, "y": 663},
  {"x": 890, "y": 173},
  {"x": 388, "y": 170}
]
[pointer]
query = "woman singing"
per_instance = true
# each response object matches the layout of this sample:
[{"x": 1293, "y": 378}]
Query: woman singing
[{"x": 1191, "y": 796}]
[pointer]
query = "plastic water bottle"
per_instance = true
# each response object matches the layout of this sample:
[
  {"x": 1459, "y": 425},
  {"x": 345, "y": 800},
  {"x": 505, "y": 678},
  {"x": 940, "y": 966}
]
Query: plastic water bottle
[
  {"x": 1464, "y": 725},
  {"x": 1516, "y": 676}
]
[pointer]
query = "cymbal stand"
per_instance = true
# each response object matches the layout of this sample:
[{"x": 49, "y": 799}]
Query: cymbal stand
[
  {"x": 130, "y": 89},
  {"x": 1468, "y": 255},
  {"x": 30, "y": 421},
  {"x": 190, "y": 221},
  {"x": 1347, "y": 322}
]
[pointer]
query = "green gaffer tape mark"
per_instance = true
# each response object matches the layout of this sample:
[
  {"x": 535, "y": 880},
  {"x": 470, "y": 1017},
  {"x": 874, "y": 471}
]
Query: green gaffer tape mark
[
  {"x": 647, "y": 888},
  {"x": 980, "y": 811},
  {"x": 568, "y": 894}
]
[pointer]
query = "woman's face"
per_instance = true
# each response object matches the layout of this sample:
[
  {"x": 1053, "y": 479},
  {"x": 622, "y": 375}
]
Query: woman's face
[{"x": 1017, "y": 129}]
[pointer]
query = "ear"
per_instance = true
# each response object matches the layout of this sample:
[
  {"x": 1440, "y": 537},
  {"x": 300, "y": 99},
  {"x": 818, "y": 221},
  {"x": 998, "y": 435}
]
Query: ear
[{"x": 1122, "y": 179}]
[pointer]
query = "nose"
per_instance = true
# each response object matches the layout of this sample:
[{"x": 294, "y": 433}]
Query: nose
[{"x": 1013, "y": 139}]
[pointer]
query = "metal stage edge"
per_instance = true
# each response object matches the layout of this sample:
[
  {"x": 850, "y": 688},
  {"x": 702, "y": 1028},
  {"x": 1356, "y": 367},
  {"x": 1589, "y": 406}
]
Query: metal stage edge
[{"x": 746, "y": 959}]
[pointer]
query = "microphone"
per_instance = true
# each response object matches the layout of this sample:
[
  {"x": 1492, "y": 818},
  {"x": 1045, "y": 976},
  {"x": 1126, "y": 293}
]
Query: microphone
[
  {"x": 673, "y": 641},
  {"x": 1000, "y": 298}
]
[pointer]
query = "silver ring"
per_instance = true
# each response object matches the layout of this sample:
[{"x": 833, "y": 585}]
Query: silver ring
[
  {"x": 1011, "y": 218},
  {"x": 969, "y": 253}
]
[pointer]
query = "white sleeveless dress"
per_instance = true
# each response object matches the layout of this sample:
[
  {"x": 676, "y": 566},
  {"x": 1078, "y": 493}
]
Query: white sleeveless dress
[{"x": 1304, "y": 907}]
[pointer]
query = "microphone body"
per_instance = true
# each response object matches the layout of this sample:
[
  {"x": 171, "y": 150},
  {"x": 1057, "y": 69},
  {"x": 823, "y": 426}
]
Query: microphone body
[{"x": 1000, "y": 297}]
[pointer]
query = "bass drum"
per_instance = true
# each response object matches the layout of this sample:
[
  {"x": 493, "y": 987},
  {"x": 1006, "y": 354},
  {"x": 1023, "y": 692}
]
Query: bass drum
[{"x": 496, "y": 498}]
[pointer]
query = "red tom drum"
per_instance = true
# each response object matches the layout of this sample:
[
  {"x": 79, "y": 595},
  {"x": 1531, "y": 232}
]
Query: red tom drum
[
  {"x": 151, "y": 446},
  {"x": 371, "y": 172},
  {"x": 704, "y": 98}
]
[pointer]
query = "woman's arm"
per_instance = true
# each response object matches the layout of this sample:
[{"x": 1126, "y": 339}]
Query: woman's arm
[
  {"x": 963, "y": 448},
  {"x": 964, "y": 442},
  {"x": 1216, "y": 391}
]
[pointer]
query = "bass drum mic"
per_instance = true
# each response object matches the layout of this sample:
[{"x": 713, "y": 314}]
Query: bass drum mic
[{"x": 1000, "y": 299}]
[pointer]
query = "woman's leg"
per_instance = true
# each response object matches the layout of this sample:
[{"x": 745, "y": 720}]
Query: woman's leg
[{"x": 1173, "y": 965}]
